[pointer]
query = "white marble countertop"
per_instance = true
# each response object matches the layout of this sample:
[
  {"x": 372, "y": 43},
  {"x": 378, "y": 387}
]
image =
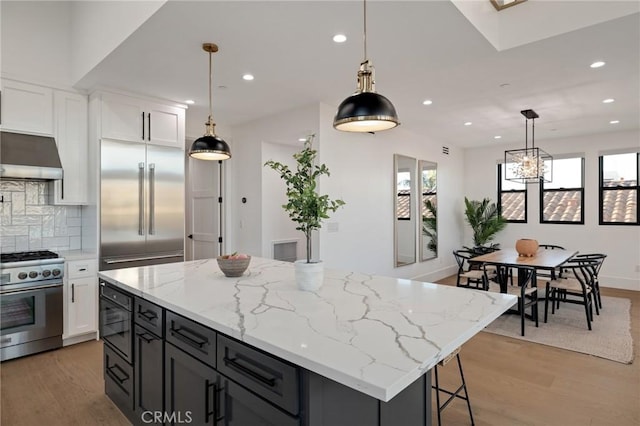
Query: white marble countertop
[
  {"x": 374, "y": 334},
  {"x": 71, "y": 255}
]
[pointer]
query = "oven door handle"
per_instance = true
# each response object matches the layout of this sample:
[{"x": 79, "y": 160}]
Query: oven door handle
[{"x": 24, "y": 290}]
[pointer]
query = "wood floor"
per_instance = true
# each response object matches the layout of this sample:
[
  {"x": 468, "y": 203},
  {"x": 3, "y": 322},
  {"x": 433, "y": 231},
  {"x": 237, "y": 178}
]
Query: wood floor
[{"x": 510, "y": 382}]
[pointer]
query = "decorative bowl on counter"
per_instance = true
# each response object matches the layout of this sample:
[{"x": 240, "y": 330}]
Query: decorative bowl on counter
[{"x": 233, "y": 265}]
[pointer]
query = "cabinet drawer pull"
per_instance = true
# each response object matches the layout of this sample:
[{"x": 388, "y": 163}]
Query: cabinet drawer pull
[
  {"x": 144, "y": 337},
  {"x": 233, "y": 363},
  {"x": 111, "y": 373},
  {"x": 149, "y": 315},
  {"x": 190, "y": 337},
  {"x": 208, "y": 412},
  {"x": 220, "y": 401}
]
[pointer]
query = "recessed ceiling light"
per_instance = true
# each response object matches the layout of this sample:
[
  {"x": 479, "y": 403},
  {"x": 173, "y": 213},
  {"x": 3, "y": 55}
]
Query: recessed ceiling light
[
  {"x": 189, "y": 102},
  {"x": 247, "y": 77},
  {"x": 597, "y": 64},
  {"x": 614, "y": 121},
  {"x": 608, "y": 101},
  {"x": 339, "y": 38},
  {"x": 497, "y": 137},
  {"x": 427, "y": 102},
  {"x": 468, "y": 123},
  {"x": 302, "y": 139}
]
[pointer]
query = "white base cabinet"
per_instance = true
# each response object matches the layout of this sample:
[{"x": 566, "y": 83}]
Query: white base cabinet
[{"x": 81, "y": 299}]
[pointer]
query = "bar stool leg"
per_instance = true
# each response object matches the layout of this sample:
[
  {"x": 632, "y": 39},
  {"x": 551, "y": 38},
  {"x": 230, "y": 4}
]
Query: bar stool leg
[
  {"x": 437, "y": 387},
  {"x": 466, "y": 392},
  {"x": 453, "y": 395}
]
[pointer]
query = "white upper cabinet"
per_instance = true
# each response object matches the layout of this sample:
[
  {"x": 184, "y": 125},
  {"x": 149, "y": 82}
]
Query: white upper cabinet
[
  {"x": 26, "y": 108},
  {"x": 132, "y": 119},
  {"x": 72, "y": 139}
]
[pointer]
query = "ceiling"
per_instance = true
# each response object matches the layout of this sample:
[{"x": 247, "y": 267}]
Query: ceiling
[{"x": 420, "y": 49}]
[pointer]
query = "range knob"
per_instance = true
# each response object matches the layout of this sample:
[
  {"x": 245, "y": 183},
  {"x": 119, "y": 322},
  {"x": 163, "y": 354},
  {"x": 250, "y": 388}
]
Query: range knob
[
  {"x": 33, "y": 274},
  {"x": 46, "y": 273},
  {"x": 22, "y": 275},
  {"x": 56, "y": 272}
]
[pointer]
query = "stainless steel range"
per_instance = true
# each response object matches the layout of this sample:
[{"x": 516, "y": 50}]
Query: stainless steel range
[{"x": 31, "y": 303}]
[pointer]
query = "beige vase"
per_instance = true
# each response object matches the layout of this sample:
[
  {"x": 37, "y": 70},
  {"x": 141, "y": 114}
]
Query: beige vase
[{"x": 527, "y": 247}]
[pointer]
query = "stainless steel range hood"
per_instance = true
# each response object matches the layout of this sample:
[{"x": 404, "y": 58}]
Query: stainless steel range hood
[{"x": 29, "y": 157}]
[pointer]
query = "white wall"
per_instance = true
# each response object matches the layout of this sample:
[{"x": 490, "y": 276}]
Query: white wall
[
  {"x": 246, "y": 171},
  {"x": 620, "y": 243},
  {"x": 362, "y": 175},
  {"x": 278, "y": 226},
  {"x": 98, "y": 27},
  {"x": 36, "y": 42},
  {"x": 361, "y": 167}
]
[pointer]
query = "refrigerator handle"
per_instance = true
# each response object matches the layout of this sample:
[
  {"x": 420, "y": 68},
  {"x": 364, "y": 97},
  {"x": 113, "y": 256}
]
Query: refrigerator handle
[
  {"x": 140, "y": 198},
  {"x": 152, "y": 198}
]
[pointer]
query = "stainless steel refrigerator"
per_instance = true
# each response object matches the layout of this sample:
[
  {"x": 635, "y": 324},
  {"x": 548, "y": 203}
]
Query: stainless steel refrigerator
[{"x": 141, "y": 204}]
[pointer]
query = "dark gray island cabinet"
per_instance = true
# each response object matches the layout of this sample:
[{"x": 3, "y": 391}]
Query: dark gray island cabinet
[
  {"x": 183, "y": 344},
  {"x": 163, "y": 368}
]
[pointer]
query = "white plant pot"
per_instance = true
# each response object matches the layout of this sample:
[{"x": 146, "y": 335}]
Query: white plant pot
[{"x": 309, "y": 276}]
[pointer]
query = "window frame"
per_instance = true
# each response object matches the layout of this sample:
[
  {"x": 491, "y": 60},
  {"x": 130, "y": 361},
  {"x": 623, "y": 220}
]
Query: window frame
[
  {"x": 511, "y": 191},
  {"x": 580, "y": 189},
  {"x": 602, "y": 189}
]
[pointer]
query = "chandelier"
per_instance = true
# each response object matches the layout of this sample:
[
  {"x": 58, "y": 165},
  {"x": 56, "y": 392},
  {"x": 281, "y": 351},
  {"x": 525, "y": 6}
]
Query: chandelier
[{"x": 531, "y": 164}]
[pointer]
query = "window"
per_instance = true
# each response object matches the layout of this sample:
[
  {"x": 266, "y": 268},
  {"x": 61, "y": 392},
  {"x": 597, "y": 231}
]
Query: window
[
  {"x": 512, "y": 198},
  {"x": 562, "y": 200},
  {"x": 619, "y": 189}
]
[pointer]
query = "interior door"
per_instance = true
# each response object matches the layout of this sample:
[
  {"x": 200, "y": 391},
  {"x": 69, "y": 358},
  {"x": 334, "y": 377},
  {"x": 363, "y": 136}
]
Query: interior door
[
  {"x": 164, "y": 224},
  {"x": 122, "y": 197},
  {"x": 203, "y": 209}
]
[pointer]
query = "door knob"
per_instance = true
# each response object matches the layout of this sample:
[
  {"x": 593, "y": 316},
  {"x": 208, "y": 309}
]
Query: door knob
[{"x": 190, "y": 236}]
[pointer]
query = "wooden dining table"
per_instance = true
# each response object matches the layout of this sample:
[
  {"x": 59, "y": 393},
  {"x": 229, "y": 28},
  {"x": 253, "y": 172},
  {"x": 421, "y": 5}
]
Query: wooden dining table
[{"x": 504, "y": 259}]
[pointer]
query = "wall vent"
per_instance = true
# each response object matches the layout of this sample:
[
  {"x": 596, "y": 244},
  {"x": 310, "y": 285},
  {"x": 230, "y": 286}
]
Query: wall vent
[
  {"x": 286, "y": 251},
  {"x": 445, "y": 150}
]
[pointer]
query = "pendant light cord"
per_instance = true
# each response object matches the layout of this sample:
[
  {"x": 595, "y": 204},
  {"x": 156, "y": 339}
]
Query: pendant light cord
[
  {"x": 365, "y": 31},
  {"x": 526, "y": 135},
  {"x": 210, "y": 90}
]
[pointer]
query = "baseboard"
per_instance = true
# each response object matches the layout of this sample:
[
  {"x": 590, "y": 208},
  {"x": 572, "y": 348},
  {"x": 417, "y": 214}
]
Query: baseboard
[
  {"x": 79, "y": 339},
  {"x": 620, "y": 283},
  {"x": 439, "y": 274}
]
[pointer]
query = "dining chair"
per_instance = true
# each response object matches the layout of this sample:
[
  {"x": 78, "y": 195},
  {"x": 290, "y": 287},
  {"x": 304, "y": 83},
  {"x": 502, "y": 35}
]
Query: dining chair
[
  {"x": 549, "y": 274},
  {"x": 475, "y": 275},
  {"x": 575, "y": 286},
  {"x": 550, "y": 247},
  {"x": 527, "y": 293},
  {"x": 596, "y": 282}
]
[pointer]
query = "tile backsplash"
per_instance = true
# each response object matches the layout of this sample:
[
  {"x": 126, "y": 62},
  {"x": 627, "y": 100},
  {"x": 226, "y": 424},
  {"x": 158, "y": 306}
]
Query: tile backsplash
[{"x": 27, "y": 222}]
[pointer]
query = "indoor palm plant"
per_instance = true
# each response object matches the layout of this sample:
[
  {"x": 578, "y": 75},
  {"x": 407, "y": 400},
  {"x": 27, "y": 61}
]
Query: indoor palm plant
[
  {"x": 306, "y": 207},
  {"x": 485, "y": 221}
]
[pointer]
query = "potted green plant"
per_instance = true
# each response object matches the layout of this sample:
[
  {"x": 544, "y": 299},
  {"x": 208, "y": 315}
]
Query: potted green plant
[
  {"x": 306, "y": 206},
  {"x": 485, "y": 221}
]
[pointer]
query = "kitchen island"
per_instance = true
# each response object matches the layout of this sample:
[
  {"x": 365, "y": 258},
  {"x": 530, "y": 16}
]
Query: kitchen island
[{"x": 357, "y": 350}]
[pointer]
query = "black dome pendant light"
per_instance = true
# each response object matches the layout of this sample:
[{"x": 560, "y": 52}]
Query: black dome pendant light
[
  {"x": 365, "y": 110},
  {"x": 210, "y": 146}
]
